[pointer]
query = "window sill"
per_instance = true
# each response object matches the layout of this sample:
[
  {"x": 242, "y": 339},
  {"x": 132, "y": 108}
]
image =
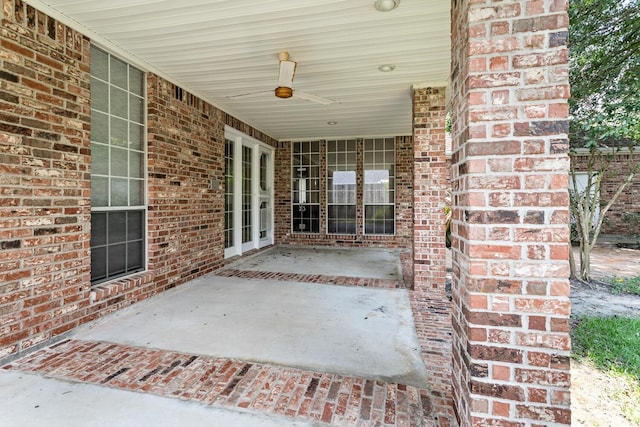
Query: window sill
[{"x": 122, "y": 285}]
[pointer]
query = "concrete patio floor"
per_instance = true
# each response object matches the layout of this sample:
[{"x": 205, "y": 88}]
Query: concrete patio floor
[
  {"x": 31, "y": 400},
  {"x": 349, "y": 262},
  {"x": 357, "y": 331},
  {"x": 233, "y": 351}
]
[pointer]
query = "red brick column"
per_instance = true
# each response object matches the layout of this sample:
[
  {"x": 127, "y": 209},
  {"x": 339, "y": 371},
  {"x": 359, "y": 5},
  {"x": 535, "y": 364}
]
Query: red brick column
[
  {"x": 429, "y": 188},
  {"x": 431, "y": 308},
  {"x": 510, "y": 255}
]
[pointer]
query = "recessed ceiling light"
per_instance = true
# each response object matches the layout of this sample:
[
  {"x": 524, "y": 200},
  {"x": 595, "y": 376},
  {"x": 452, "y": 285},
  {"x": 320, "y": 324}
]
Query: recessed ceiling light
[
  {"x": 386, "y": 5},
  {"x": 332, "y": 123},
  {"x": 386, "y": 68}
]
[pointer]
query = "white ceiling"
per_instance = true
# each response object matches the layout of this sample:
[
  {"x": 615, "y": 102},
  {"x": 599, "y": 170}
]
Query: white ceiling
[{"x": 218, "y": 49}]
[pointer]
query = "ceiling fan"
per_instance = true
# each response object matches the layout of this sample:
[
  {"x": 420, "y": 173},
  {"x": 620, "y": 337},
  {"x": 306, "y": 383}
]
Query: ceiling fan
[{"x": 285, "y": 84}]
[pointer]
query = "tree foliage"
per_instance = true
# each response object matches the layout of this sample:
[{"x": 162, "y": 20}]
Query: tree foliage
[
  {"x": 604, "y": 57},
  {"x": 605, "y": 71}
]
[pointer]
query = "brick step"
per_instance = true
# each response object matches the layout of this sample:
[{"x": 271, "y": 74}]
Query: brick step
[
  {"x": 330, "y": 398},
  {"x": 313, "y": 278}
]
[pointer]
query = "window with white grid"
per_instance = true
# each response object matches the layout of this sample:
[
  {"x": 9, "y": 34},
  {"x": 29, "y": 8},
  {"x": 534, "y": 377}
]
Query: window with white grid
[
  {"x": 379, "y": 186},
  {"x": 305, "y": 179},
  {"x": 341, "y": 186},
  {"x": 118, "y": 132}
]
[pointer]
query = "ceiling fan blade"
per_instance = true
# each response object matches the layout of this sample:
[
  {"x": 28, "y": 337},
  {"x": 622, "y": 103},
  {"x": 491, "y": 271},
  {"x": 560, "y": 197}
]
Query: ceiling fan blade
[
  {"x": 248, "y": 95},
  {"x": 287, "y": 70},
  {"x": 313, "y": 98}
]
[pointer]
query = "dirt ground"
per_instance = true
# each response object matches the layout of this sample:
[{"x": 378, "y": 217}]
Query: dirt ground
[
  {"x": 591, "y": 390},
  {"x": 591, "y": 402}
]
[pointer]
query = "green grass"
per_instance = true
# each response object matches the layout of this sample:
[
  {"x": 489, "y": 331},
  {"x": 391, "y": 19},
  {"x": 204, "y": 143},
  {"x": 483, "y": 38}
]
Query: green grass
[
  {"x": 612, "y": 345},
  {"x": 629, "y": 285}
]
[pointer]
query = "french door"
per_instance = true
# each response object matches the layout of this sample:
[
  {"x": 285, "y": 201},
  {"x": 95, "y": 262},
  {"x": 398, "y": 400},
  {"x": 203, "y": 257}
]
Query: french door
[{"x": 248, "y": 193}]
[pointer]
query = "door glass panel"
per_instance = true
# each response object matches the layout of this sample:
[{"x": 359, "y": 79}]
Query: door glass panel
[
  {"x": 263, "y": 171},
  {"x": 246, "y": 194},
  {"x": 228, "y": 194}
]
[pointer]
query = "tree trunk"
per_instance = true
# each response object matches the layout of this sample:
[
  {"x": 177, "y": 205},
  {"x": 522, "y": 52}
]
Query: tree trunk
[
  {"x": 585, "y": 262},
  {"x": 572, "y": 262}
]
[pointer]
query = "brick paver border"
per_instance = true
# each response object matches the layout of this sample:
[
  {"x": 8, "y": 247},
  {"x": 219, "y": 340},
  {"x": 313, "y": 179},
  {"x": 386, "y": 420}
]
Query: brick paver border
[
  {"x": 295, "y": 393},
  {"x": 405, "y": 260}
]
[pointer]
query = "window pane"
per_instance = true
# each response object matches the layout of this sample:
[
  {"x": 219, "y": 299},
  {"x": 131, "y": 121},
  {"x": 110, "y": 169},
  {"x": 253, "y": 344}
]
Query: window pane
[
  {"x": 376, "y": 186},
  {"x": 119, "y": 133},
  {"x": 368, "y": 157},
  {"x": 99, "y": 159},
  {"x": 136, "y": 106},
  {"x": 135, "y": 225},
  {"x": 99, "y": 127},
  {"x": 136, "y": 136},
  {"x": 134, "y": 256},
  {"x": 119, "y": 102},
  {"x": 390, "y": 157},
  {"x": 99, "y": 191},
  {"x": 136, "y": 192},
  {"x": 99, "y": 95},
  {"x": 98, "y": 229},
  {"x": 118, "y": 73},
  {"x": 98, "y": 263},
  {"x": 379, "y": 219},
  {"x": 99, "y": 63},
  {"x": 119, "y": 192},
  {"x": 343, "y": 187},
  {"x": 119, "y": 162},
  {"x": 124, "y": 250},
  {"x": 117, "y": 227},
  {"x": 136, "y": 164},
  {"x": 342, "y": 219},
  {"x": 136, "y": 81},
  {"x": 117, "y": 262}
]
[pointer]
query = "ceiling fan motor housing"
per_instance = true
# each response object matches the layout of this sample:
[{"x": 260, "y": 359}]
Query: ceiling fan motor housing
[{"x": 284, "y": 92}]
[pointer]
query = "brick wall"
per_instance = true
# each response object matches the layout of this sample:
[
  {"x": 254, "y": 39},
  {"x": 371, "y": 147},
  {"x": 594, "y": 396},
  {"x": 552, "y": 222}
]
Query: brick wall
[
  {"x": 45, "y": 178},
  {"x": 624, "y": 216},
  {"x": 404, "y": 202},
  {"x": 185, "y": 151},
  {"x": 510, "y": 289}
]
